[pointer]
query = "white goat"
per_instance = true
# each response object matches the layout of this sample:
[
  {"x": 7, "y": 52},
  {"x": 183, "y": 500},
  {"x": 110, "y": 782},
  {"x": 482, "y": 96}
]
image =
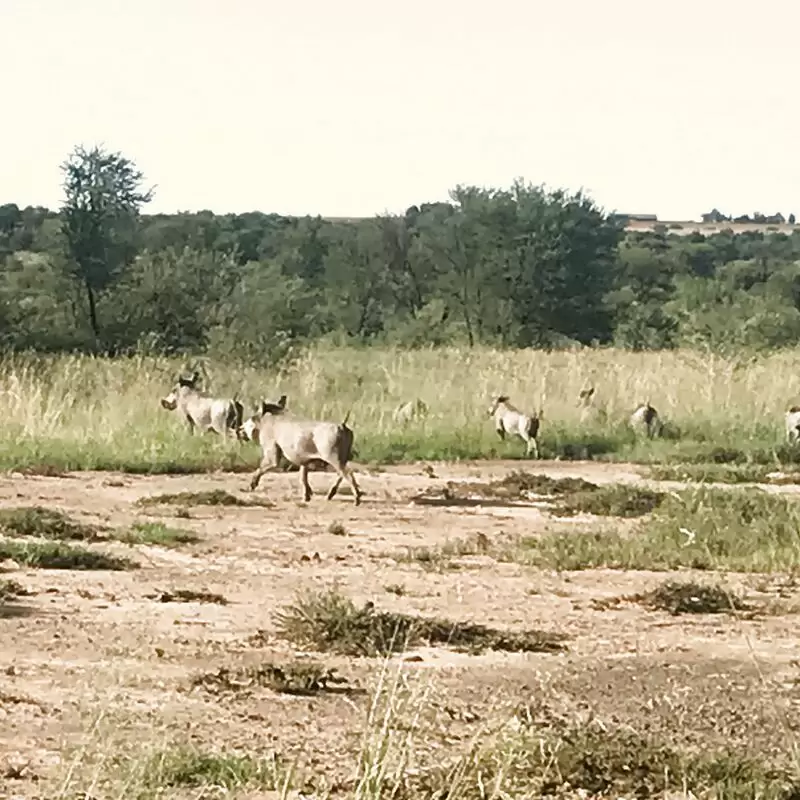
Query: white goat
[
  {"x": 410, "y": 410},
  {"x": 645, "y": 419},
  {"x": 220, "y": 415},
  {"x": 301, "y": 442},
  {"x": 792, "y": 421},
  {"x": 508, "y": 419}
]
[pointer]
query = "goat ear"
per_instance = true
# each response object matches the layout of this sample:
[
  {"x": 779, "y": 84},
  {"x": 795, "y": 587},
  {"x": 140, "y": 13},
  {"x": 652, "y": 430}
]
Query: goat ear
[{"x": 503, "y": 398}]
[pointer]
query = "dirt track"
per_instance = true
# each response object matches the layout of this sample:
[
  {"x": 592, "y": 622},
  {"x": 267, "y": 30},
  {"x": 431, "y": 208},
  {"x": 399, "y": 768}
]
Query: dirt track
[{"x": 93, "y": 643}]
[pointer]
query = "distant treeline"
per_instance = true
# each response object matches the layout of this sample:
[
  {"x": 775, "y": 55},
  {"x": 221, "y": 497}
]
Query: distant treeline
[{"x": 515, "y": 267}]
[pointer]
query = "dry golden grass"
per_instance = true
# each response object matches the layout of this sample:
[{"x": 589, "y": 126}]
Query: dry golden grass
[{"x": 80, "y": 412}]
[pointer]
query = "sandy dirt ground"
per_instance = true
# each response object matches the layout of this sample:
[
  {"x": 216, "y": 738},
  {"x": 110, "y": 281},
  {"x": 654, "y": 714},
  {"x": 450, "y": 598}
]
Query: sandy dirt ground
[{"x": 93, "y": 666}]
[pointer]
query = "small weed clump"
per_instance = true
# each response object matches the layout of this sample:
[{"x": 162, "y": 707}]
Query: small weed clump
[
  {"x": 188, "y": 596},
  {"x": 57, "y": 555},
  {"x": 46, "y": 523},
  {"x": 437, "y": 559},
  {"x": 300, "y": 678},
  {"x": 11, "y": 589},
  {"x": 331, "y": 622},
  {"x": 155, "y": 533},
  {"x": 689, "y": 597},
  {"x": 337, "y": 529},
  {"x": 213, "y": 497}
]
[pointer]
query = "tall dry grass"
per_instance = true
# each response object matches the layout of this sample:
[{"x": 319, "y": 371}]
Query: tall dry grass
[{"x": 82, "y": 412}]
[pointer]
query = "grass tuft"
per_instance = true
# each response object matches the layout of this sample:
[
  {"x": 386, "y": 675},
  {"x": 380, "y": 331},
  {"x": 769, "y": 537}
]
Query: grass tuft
[
  {"x": 188, "y": 596},
  {"x": 57, "y": 555},
  {"x": 213, "y": 497},
  {"x": 186, "y": 767},
  {"x": 45, "y": 523},
  {"x": 337, "y": 529},
  {"x": 299, "y": 678},
  {"x": 155, "y": 533},
  {"x": 594, "y": 760},
  {"x": 443, "y": 557},
  {"x": 330, "y": 622},
  {"x": 11, "y": 589},
  {"x": 689, "y": 597}
]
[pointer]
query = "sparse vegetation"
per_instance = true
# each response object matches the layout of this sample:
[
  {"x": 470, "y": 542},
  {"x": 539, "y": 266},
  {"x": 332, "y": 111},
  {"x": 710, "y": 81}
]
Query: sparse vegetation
[
  {"x": 57, "y": 555},
  {"x": 46, "y": 523},
  {"x": 747, "y": 530},
  {"x": 444, "y": 556},
  {"x": 690, "y": 597},
  {"x": 299, "y": 678},
  {"x": 11, "y": 589},
  {"x": 337, "y": 529},
  {"x": 330, "y": 622},
  {"x": 615, "y": 500},
  {"x": 188, "y": 767},
  {"x": 566, "y": 759},
  {"x": 155, "y": 533},
  {"x": 213, "y": 497},
  {"x": 564, "y": 496},
  {"x": 189, "y": 596},
  {"x": 710, "y": 473}
]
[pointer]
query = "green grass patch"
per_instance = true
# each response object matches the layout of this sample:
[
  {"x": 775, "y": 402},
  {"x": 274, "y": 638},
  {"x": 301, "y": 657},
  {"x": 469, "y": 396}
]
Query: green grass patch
[
  {"x": 330, "y": 622},
  {"x": 46, "y": 523},
  {"x": 155, "y": 533},
  {"x": 212, "y": 497},
  {"x": 614, "y": 500},
  {"x": 711, "y": 473},
  {"x": 190, "y": 768},
  {"x": 58, "y": 555},
  {"x": 298, "y": 678},
  {"x": 747, "y": 530}
]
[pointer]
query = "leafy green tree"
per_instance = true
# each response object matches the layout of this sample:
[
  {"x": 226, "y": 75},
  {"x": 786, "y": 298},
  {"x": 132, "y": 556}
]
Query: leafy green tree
[
  {"x": 263, "y": 319},
  {"x": 103, "y": 197}
]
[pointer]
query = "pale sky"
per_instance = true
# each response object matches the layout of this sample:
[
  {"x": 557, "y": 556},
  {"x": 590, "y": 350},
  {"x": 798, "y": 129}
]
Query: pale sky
[{"x": 357, "y": 107}]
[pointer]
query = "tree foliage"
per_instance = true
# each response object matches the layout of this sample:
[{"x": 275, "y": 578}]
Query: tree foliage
[
  {"x": 521, "y": 266},
  {"x": 100, "y": 215}
]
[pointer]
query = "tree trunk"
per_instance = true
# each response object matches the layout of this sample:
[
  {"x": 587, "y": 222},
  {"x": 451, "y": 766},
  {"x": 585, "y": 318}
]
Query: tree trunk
[{"x": 92, "y": 311}]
